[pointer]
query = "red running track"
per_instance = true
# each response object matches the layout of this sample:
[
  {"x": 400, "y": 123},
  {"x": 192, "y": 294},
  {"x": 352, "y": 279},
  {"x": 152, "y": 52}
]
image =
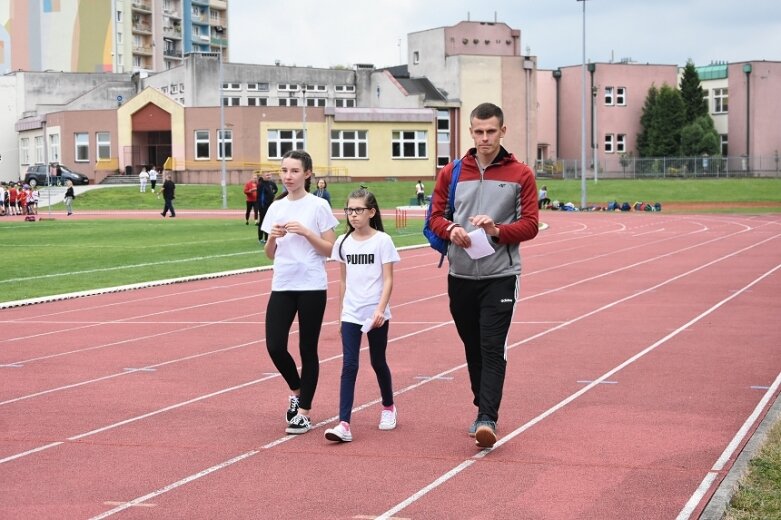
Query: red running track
[{"x": 644, "y": 350}]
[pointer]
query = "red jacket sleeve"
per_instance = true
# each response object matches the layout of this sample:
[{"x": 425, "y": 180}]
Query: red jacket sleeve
[{"x": 438, "y": 222}]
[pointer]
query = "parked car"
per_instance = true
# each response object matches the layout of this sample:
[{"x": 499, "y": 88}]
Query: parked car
[{"x": 37, "y": 174}]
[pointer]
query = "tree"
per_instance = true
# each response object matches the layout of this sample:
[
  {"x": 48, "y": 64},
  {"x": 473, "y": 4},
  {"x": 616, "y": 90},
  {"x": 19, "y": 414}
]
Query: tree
[
  {"x": 647, "y": 117},
  {"x": 700, "y": 138},
  {"x": 668, "y": 119},
  {"x": 692, "y": 94}
]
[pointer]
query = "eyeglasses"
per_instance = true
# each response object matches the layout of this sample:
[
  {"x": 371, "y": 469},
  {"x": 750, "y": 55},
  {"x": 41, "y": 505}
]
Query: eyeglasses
[{"x": 356, "y": 211}]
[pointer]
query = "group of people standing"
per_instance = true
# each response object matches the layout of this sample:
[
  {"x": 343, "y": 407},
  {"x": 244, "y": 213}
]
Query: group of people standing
[
  {"x": 496, "y": 195},
  {"x": 18, "y": 199},
  {"x": 259, "y": 192},
  {"x": 149, "y": 177}
]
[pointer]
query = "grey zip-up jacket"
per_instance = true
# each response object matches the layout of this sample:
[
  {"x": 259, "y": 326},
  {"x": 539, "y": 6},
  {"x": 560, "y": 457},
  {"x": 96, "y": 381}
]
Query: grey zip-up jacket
[{"x": 507, "y": 192}]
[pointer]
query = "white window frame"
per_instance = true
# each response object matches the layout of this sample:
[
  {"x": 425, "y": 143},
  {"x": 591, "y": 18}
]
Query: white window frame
[
  {"x": 39, "y": 149},
  {"x": 443, "y": 126},
  {"x": 231, "y": 86},
  {"x": 257, "y": 87},
  {"x": 231, "y": 101},
  {"x": 357, "y": 140},
  {"x": 54, "y": 147},
  {"x": 609, "y": 96},
  {"x": 315, "y": 102},
  {"x": 287, "y": 87},
  {"x": 724, "y": 144},
  {"x": 442, "y": 160},
  {"x": 257, "y": 101},
  {"x": 344, "y": 103},
  {"x": 344, "y": 88},
  {"x": 103, "y": 145},
  {"x": 288, "y": 102},
  {"x": 280, "y": 141},
  {"x": 620, "y": 143},
  {"x": 401, "y": 140},
  {"x": 81, "y": 147},
  {"x": 720, "y": 100},
  {"x": 621, "y": 96},
  {"x": 24, "y": 150},
  {"x": 609, "y": 143},
  {"x": 201, "y": 137},
  {"x": 415, "y": 57},
  {"x": 314, "y": 88},
  {"x": 226, "y": 145}
]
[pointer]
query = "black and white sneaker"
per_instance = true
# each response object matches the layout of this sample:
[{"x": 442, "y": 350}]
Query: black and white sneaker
[
  {"x": 292, "y": 410},
  {"x": 298, "y": 425}
]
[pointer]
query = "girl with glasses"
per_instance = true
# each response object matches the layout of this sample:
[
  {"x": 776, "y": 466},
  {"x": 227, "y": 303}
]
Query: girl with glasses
[
  {"x": 301, "y": 233},
  {"x": 366, "y": 255}
]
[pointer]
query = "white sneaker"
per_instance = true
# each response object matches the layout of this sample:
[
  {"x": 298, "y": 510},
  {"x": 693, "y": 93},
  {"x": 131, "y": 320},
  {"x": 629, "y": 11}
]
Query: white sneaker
[
  {"x": 341, "y": 433},
  {"x": 388, "y": 419}
]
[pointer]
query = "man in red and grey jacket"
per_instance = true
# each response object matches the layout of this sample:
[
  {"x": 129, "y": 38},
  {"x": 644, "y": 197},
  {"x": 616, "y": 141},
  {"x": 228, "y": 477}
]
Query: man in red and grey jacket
[{"x": 497, "y": 193}]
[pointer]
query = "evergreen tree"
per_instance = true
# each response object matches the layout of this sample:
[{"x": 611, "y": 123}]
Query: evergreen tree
[
  {"x": 693, "y": 94},
  {"x": 669, "y": 119},
  {"x": 644, "y": 137},
  {"x": 700, "y": 138}
]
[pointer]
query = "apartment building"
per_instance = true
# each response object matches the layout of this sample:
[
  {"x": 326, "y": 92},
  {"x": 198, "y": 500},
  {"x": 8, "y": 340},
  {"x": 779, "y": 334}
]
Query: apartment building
[{"x": 109, "y": 35}]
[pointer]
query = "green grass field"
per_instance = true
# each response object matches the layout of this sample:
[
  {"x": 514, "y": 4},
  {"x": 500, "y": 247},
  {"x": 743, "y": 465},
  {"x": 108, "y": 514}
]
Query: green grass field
[{"x": 59, "y": 256}]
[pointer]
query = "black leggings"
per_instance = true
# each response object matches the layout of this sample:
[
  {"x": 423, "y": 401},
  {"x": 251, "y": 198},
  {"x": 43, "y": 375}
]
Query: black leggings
[
  {"x": 280, "y": 312},
  {"x": 251, "y": 206}
]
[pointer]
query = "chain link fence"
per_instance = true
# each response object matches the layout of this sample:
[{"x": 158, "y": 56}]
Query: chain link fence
[{"x": 630, "y": 167}]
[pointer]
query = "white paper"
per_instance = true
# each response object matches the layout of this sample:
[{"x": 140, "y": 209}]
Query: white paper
[
  {"x": 480, "y": 246},
  {"x": 367, "y": 325}
]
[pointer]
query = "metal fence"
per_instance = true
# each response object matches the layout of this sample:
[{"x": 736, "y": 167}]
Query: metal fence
[{"x": 630, "y": 167}]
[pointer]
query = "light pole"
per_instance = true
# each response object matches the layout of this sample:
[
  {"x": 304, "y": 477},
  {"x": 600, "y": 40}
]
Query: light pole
[
  {"x": 219, "y": 29},
  {"x": 303, "y": 102},
  {"x": 595, "y": 143},
  {"x": 583, "y": 118}
]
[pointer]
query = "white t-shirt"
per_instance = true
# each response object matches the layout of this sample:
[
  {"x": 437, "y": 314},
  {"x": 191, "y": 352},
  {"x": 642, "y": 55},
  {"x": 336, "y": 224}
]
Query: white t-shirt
[
  {"x": 152, "y": 174},
  {"x": 297, "y": 266},
  {"x": 364, "y": 260}
]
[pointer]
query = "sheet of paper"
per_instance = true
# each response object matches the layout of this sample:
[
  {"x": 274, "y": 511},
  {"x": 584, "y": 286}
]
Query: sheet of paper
[
  {"x": 480, "y": 246},
  {"x": 367, "y": 325}
]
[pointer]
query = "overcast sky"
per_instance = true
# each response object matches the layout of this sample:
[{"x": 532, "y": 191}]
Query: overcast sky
[{"x": 323, "y": 33}]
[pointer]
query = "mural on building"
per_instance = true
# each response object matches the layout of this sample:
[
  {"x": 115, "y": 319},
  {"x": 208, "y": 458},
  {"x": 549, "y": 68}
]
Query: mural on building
[{"x": 69, "y": 36}]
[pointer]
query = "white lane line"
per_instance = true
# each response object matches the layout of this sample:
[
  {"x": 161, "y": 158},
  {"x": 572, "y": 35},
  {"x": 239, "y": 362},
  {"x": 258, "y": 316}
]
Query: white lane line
[
  {"x": 483, "y": 453},
  {"x": 728, "y": 452},
  {"x": 465, "y": 464}
]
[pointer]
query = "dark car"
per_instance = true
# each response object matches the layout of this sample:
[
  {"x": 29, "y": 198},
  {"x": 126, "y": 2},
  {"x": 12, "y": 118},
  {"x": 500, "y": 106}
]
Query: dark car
[{"x": 37, "y": 174}]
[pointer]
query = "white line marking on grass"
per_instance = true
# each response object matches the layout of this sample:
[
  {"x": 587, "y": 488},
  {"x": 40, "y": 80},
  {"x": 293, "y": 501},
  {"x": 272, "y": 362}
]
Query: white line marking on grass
[
  {"x": 458, "y": 469},
  {"x": 726, "y": 455},
  {"x": 131, "y": 266}
]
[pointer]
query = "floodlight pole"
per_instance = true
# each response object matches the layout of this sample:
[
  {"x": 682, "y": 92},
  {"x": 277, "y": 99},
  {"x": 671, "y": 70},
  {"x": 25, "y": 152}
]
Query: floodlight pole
[
  {"x": 221, "y": 144},
  {"x": 583, "y": 118}
]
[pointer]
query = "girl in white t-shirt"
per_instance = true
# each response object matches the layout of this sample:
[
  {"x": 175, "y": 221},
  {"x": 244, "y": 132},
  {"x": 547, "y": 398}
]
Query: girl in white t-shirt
[
  {"x": 367, "y": 255},
  {"x": 301, "y": 234}
]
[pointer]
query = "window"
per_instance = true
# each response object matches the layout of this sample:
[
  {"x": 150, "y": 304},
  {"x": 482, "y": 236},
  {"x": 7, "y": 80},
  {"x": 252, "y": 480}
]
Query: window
[
  {"x": 344, "y": 88},
  {"x": 288, "y": 102},
  {"x": 54, "y": 147},
  {"x": 288, "y": 87},
  {"x": 225, "y": 144},
  {"x": 723, "y": 143},
  {"x": 442, "y": 160},
  {"x": 720, "y": 100},
  {"x": 344, "y": 103},
  {"x": 621, "y": 143},
  {"x": 174, "y": 89},
  {"x": 24, "y": 149},
  {"x": 257, "y": 101},
  {"x": 609, "y": 143},
  {"x": 314, "y": 88},
  {"x": 39, "y": 149},
  {"x": 415, "y": 57},
  {"x": 202, "y": 145},
  {"x": 164, "y": 90},
  {"x": 260, "y": 87},
  {"x": 231, "y": 101},
  {"x": 608, "y": 95},
  {"x": 82, "y": 147},
  {"x": 409, "y": 144},
  {"x": 231, "y": 86},
  {"x": 315, "y": 102},
  {"x": 349, "y": 144},
  {"x": 103, "y": 144},
  {"x": 443, "y": 126},
  {"x": 282, "y": 141},
  {"x": 621, "y": 96}
]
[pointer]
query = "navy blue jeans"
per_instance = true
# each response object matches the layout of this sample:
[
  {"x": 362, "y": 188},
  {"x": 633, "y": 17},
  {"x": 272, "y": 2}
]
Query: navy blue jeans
[{"x": 351, "y": 348}]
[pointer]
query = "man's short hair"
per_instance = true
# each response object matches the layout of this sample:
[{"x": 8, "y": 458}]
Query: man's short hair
[{"x": 487, "y": 111}]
